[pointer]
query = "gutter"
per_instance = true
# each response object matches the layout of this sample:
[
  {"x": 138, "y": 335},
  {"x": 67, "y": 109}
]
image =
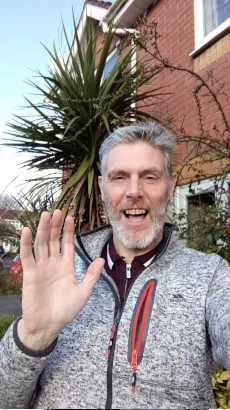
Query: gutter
[
  {"x": 114, "y": 9},
  {"x": 118, "y": 31},
  {"x": 122, "y": 8}
]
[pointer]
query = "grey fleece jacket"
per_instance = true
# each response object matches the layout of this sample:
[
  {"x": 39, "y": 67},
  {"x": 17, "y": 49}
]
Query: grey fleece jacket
[{"x": 186, "y": 332}]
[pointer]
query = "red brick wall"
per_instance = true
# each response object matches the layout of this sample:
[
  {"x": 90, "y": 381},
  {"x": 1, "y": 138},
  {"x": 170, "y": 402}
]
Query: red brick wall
[
  {"x": 178, "y": 108},
  {"x": 175, "y": 25}
]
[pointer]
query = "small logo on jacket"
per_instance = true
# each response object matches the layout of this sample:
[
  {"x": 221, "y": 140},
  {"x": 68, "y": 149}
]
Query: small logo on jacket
[{"x": 177, "y": 297}]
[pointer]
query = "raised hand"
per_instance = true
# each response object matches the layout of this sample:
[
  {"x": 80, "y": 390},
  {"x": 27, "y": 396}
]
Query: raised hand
[{"x": 52, "y": 295}]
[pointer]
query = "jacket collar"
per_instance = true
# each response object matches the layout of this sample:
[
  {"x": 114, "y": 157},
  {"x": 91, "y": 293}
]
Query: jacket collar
[{"x": 89, "y": 245}]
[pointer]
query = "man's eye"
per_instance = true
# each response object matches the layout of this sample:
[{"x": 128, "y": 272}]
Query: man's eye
[
  {"x": 117, "y": 177},
  {"x": 151, "y": 177}
]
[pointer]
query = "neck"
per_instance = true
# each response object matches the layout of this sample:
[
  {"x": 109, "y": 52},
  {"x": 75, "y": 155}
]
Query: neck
[{"x": 129, "y": 254}]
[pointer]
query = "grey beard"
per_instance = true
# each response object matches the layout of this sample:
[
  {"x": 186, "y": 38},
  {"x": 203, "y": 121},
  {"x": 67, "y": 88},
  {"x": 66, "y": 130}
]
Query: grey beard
[
  {"x": 138, "y": 243},
  {"x": 130, "y": 242}
]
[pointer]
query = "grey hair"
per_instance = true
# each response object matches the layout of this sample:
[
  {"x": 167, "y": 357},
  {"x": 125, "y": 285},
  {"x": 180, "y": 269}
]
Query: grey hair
[{"x": 151, "y": 132}]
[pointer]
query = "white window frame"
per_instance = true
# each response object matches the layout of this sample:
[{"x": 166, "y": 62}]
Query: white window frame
[
  {"x": 182, "y": 193},
  {"x": 202, "y": 40}
]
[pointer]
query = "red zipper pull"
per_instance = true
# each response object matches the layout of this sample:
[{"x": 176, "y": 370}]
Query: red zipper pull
[
  {"x": 134, "y": 360},
  {"x": 134, "y": 368},
  {"x": 112, "y": 334}
]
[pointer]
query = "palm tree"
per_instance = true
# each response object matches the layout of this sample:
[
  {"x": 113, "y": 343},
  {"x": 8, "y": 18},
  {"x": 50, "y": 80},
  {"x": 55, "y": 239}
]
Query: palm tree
[
  {"x": 7, "y": 230},
  {"x": 31, "y": 206},
  {"x": 27, "y": 209},
  {"x": 79, "y": 107}
]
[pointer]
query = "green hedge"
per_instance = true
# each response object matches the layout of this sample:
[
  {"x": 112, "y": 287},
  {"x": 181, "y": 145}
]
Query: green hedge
[
  {"x": 5, "y": 321},
  {"x": 221, "y": 388},
  {"x": 208, "y": 231}
]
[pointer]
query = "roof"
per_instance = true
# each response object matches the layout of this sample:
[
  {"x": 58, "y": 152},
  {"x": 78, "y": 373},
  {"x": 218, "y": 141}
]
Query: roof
[
  {"x": 122, "y": 13},
  {"x": 125, "y": 13},
  {"x": 8, "y": 214},
  {"x": 100, "y": 3},
  {"x": 92, "y": 9}
]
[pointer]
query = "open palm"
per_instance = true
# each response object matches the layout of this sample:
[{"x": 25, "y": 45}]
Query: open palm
[{"x": 52, "y": 295}]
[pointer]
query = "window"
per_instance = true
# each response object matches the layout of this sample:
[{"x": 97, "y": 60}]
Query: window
[
  {"x": 212, "y": 17},
  {"x": 201, "y": 212},
  {"x": 203, "y": 193},
  {"x": 110, "y": 63},
  {"x": 199, "y": 202},
  {"x": 201, "y": 218},
  {"x": 215, "y": 13}
]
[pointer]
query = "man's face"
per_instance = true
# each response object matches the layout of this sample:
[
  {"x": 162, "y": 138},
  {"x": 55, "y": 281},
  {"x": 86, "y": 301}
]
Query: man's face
[{"x": 136, "y": 189}]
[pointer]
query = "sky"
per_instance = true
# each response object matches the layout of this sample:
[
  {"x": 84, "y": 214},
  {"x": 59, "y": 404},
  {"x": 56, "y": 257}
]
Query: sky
[{"x": 24, "y": 26}]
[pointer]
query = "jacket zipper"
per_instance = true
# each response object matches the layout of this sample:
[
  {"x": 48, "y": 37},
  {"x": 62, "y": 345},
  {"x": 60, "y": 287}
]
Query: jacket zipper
[
  {"x": 118, "y": 313},
  {"x": 116, "y": 321},
  {"x": 139, "y": 327},
  {"x": 112, "y": 343},
  {"x": 110, "y": 352},
  {"x": 127, "y": 277},
  {"x": 137, "y": 337},
  {"x": 128, "y": 271}
]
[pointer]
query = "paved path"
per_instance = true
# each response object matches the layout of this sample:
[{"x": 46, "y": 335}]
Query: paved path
[{"x": 10, "y": 304}]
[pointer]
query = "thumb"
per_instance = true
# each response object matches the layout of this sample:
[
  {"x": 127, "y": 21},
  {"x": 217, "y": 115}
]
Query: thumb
[{"x": 92, "y": 275}]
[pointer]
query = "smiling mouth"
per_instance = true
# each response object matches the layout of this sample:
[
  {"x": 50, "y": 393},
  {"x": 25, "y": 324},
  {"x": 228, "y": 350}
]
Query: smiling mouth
[{"x": 135, "y": 213}]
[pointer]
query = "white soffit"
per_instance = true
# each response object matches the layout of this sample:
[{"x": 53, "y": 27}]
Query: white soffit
[
  {"x": 125, "y": 13},
  {"x": 90, "y": 11}
]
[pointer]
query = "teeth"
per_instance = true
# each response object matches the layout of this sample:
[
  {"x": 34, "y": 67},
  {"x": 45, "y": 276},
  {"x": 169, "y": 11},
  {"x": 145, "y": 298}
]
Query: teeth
[{"x": 135, "y": 212}]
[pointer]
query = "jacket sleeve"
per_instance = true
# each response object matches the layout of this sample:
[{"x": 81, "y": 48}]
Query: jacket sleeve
[
  {"x": 218, "y": 314},
  {"x": 20, "y": 369}
]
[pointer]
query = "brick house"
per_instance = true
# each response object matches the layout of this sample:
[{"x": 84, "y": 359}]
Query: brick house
[
  {"x": 193, "y": 34},
  {"x": 10, "y": 242}
]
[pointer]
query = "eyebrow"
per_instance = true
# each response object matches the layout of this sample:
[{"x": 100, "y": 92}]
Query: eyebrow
[
  {"x": 143, "y": 172},
  {"x": 115, "y": 172},
  {"x": 153, "y": 170}
]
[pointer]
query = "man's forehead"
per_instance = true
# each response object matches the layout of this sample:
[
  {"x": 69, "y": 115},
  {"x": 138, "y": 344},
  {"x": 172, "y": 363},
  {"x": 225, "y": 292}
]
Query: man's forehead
[
  {"x": 136, "y": 155},
  {"x": 142, "y": 145}
]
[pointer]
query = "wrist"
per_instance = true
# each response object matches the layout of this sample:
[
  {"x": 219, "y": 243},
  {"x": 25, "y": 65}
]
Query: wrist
[{"x": 35, "y": 341}]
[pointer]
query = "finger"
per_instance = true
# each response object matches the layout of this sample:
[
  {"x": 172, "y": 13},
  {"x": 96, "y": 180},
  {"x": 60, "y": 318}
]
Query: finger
[
  {"x": 26, "y": 253},
  {"x": 92, "y": 276},
  {"x": 55, "y": 233},
  {"x": 41, "y": 244},
  {"x": 68, "y": 238}
]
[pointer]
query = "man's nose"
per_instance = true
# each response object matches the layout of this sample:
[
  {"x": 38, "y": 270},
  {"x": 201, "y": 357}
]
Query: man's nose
[{"x": 134, "y": 188}]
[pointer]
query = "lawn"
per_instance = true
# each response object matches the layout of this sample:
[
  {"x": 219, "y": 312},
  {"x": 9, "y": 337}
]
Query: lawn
[{"x": 5, "y": 321}]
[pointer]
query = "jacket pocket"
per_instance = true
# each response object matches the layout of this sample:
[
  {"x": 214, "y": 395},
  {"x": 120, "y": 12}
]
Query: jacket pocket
[{"x": 139, "y": 327}]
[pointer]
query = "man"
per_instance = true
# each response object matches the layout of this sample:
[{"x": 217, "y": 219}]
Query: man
[{"x": 143, "y": 334}]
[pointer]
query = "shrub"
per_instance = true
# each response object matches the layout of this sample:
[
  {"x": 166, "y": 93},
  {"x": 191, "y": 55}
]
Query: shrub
[
  {"x": 207, "y": 229},
  {"x": 10, "y": 284},
  {"x": 221, "y": 388}
]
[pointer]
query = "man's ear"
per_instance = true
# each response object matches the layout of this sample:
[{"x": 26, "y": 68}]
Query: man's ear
[{"x": 100, "y": 183}]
